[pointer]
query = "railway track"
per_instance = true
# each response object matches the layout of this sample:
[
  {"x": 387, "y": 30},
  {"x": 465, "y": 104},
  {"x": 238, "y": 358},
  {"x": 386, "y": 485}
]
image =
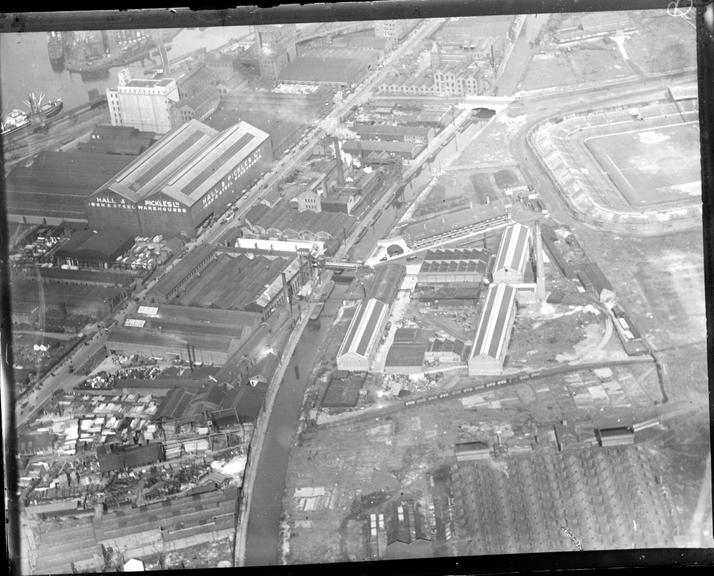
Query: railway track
[{"x": 501, "y": 382}]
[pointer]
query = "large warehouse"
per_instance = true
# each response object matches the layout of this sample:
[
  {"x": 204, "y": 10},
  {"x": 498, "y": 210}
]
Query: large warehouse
[
  {"x": 357, "y": 350},
  {"x": 55, "y": 185},
  {"x": 493, "y": 331},
  {"x": 513, "y": 254},
  {"x": 192, "y": 334},
  {"x": 189, "y": 175},
  {"x": 360, "y": 344}
]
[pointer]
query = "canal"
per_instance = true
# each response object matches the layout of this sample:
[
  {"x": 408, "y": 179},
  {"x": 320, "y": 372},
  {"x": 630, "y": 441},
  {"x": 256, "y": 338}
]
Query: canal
[
  {"x": 263, "y": 538},
  {"x": 263, "y": 531}
]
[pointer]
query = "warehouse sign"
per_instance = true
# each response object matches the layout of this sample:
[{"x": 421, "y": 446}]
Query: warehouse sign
[
  {"x": 163, "y": 203},
  {"x": 107, "y": 201},
  {"x": 229, "y": 179}
]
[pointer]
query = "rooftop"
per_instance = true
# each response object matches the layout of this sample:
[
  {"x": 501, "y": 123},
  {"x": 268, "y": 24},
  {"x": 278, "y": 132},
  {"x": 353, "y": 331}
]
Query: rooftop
[
  {"x": 185, "y": 163},
  {"x": 105, "y": 243},
  {"x": 57, "y": 184},
  {"x": 168, "y": 282},
  {"x": 323, "y": 69},
  {"x": 298, "y": 224}
]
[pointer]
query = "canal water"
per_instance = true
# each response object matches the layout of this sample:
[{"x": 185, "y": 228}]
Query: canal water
[
  {"x": 262, "y": 543},
  {"x": 263, "y": 540}
]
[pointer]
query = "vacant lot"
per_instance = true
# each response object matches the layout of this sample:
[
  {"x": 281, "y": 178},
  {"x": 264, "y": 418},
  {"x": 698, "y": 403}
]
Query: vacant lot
[
  {"x": 548, "y": 70},
  {"x": 662, "y": 43},
  {"x": 547, "y": 335}
]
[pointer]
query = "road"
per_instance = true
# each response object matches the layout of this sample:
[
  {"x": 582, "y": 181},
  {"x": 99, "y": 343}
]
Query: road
[
  {"x": 60, "y": 376},
  {"x": 330, "y": 124}
]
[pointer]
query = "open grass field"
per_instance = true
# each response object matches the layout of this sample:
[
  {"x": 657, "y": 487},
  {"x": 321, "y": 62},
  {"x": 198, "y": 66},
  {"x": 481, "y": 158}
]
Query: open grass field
[{"x": 652, "y": 166}]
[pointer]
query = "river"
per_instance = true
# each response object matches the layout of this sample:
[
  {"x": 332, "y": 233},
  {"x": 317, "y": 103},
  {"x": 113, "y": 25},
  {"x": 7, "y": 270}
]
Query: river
[{"x": 25, "y": 66}]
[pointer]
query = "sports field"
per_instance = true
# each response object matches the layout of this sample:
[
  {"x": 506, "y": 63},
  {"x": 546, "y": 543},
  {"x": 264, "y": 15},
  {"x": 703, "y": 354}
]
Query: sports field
[{"x": 652, "y": 166}]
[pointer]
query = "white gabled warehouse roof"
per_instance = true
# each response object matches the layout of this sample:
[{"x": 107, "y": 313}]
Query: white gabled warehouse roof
[
  {"x": 493, "y": 329},
  {"x": 513, "y": 249},
  {"x": 363, "y": 332}
]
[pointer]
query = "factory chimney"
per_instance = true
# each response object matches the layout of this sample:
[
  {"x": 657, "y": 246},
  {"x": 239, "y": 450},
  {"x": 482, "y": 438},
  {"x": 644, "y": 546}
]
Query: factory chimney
[
  {"x": 540, "y": 269},
  {"x": 338, "y": 157}
]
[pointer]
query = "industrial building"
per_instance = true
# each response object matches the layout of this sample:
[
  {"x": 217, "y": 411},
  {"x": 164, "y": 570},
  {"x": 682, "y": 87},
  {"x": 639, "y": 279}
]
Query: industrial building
[
  {"x": 364, "y": 332},
  {"x": 467, "y": 451},
  {"x": 171, "y": 284},
  {"x": 62, "y": 298},
  {"x": 124, "y": 140},
  {"x": 386, "y": 281},
  {"x": 189, "y": 175},
  {"x": 77, "y": 544},
  {"x": 90, "y": 249},
  {"x": 343, "y": 389},
  {"x": 276, "y": 47},
  {"x": 194, "y": 335},
  {"x": 284, "y": 223},
  {"x": 222, "y": 405},
  {"x": 513, "y": 255},
  {"x": 55, "y": 186},
  {"x": 454, "y": 265},
  {"x": 408, "y": 531},
  {"x": 232, "y": 280},
  {"x": 493, "y": 331},
  {"x": 326, "y": 70},
  {"x": 399, "y": 133},
  {"x": 394, "y": 30},
  {"x": 142, "y": 103},
  {"x": 360, "y": 343},
  {"x": 446, "y": 350},
  {"x": 396, "y": 149}
]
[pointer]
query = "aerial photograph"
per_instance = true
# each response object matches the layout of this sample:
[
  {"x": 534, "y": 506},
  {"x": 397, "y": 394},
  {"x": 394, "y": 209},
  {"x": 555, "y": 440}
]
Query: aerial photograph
[{"x": 288, "y": 294}]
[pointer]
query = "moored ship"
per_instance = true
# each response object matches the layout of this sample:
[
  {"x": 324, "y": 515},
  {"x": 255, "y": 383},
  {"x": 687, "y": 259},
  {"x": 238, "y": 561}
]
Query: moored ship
[
  {"x": 14, "y": 121},
  {"x": 55, "y": 50},
  {"x": 51, "y": 108}
]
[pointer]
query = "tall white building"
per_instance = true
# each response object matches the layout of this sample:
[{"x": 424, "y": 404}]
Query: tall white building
[
  {"x": 143, "y": 103},
  {"x": 394, "y": 30}
]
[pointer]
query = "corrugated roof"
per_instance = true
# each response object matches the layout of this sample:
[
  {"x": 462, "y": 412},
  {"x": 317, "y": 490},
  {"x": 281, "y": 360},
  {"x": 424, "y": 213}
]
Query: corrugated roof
[
  {"x": 108, "y": 242},
  {"x": 492, "y": 331},
  {"x": 172, "y": 165},
  {"x": 361, "y": 334},
  {"x": 176, "y": 275},
  {"x": 58, "y": 184},
  {"x": 385, "y": 284},
  {"x": 329, "y": 70},
  {"x": 293, "y": 223},
  {"x": 514, "y": 249}
]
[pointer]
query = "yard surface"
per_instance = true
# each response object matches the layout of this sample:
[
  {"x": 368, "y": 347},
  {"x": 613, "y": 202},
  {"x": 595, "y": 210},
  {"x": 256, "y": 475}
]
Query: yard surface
[{"x": 652, "y": 166}]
